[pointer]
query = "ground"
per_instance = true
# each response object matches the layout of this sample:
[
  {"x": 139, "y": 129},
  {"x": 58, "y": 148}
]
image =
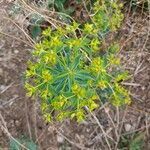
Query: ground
[{"x": 20, "y": 116}]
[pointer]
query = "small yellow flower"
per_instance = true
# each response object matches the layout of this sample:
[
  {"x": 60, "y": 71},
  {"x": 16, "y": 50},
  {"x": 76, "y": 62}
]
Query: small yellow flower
[
  {"x": 50, "y": 58},
  {"x": 95, "y": 45},
  {"x": 96, "y": 66},
  {"x": 116, "y": 101},
  {"x": 61, "y": 31},
  {"x": 88, "y": 28},
  {"x": 78, "y": 91},
  {"x": 38, "y": 49},
  {"x": 75, "y": 43},
  {"x": 44, "y": 106},
  {"x": 31, "y": 89},
  {"x": 45, "y": 94},
  {"x": 73, "y": 27},
  {"x": 94, "y": 97},
  {"x": 60, "y": 116},
  {"x": 75, "y": 87},
  {"x": 47, "y": 32},
  {"x": 46, "y": 75},
  {"x": 56, "y": 42},
  {"x": 30, "y": 73},
  {"x": 80, "y": 115},
  {"x": 114, "y": 5},
  {"x": 59, "y": 102},
  {"x": 48, "y": 117},
  {"x": 102, "y": 84},
  {"x": 62, "y": 100},
  {"x": 92, "y": 105},
  {"x": 113, "y": 60},
  {"x": 73, "y": 115},
  {"x": 121, "y": 77},
  {"x": 128, "y": 100}
]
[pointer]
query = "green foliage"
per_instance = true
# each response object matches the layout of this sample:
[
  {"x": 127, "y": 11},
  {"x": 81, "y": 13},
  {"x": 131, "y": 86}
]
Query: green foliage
[
  {"x": 22, "y": 141},
  {"x": 137, "y": 142},
  {"x": 132, "y": 142},
  {"x": 107, "y": 15},
  {"x": 59, "y": 6},
  {"x": 69, "y": 69},
  {"x": 35, "y": 31},
  {"x": 35, "y": 27}
]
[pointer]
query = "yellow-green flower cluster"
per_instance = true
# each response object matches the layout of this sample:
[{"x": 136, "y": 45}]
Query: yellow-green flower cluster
[
  {"x": 68, "y": 70},
  {"x": 31, "y": 89},
  {"x": 80, "y": 92},
  {"x": 75, "y": 43},
  {"x": 72, "y": 28},
  {"x": 107, "y": 15},
  {"x": 96, "y": 66},
  {"x": 59, "y": 102},
  {"x": 92, "y": 103},
  {"x": 102, "y": 84},
  {"x": 46, "y": 75},
  {"x": 88, "y": 28},
  {"x": 30, "y": 72},
  {"x": 49, "y": 58},
  {"x": 95, "y": 45},
  {"x": 117, "y": 16},
  {"x": 121, "y": 96},
  {"x": 113, "y": 60}
]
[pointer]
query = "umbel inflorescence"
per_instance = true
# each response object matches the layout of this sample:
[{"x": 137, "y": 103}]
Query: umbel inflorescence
[{"x": 70, "y": 68}]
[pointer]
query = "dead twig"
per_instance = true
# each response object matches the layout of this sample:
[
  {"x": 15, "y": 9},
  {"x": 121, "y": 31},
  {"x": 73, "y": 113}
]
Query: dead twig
[{"x": 5, "y": 129}]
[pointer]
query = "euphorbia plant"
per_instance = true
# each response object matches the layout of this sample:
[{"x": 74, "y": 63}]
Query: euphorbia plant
[{"x": 70, "y": 69}]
